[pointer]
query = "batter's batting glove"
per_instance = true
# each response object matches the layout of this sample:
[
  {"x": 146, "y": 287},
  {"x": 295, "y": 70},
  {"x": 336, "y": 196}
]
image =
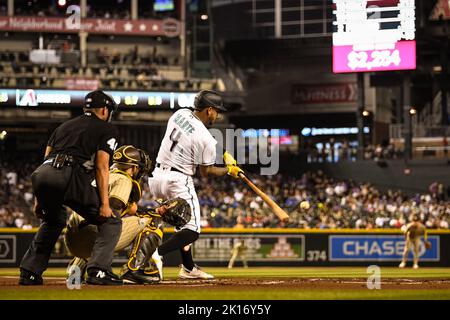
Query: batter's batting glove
[
  {"x": 228, "y": 159},
  {"x": 234, "y": 171}
]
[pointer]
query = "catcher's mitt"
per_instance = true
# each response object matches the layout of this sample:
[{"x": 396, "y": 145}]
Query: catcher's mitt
[
  {"x": 178, "y": 212},
  {"x": 428, "y": 245}
]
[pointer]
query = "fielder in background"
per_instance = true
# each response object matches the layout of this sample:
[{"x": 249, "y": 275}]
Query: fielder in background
[
  {"x": 239, "y": 250},
  {"x": 141, "y": 228},
  {"x": 188, "y": 144},
  {"x": 413, "y": 231}
]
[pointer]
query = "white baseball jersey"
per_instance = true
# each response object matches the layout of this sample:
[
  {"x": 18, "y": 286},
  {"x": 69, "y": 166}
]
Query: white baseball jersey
[{"x": 187, "y": 143}]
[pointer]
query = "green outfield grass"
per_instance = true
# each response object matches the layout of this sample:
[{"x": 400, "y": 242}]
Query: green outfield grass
[{"x": 227, "y": 292}]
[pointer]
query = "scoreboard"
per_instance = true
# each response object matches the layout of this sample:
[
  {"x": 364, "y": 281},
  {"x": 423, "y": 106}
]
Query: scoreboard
[{"x": 373, "y": 35}]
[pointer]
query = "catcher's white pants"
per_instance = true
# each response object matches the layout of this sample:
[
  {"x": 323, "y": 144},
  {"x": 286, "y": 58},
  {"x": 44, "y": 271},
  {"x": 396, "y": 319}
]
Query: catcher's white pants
[
  {"x": 412, "y": 244},
  {"x": 168, "y": 184}
]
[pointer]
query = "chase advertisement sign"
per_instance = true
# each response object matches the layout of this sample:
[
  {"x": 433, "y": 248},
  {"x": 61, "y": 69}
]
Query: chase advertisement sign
[{"x": 377, "y": 248}]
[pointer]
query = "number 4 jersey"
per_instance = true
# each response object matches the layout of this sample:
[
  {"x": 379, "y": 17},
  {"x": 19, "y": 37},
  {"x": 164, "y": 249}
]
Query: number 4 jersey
[{"x": 187, "y": 143}]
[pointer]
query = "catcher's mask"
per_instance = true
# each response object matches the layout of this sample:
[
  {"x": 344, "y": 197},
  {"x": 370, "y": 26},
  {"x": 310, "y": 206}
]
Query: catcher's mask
[
  {"x": 100, "y": 99},
  {"x": 130, "y": 156}
]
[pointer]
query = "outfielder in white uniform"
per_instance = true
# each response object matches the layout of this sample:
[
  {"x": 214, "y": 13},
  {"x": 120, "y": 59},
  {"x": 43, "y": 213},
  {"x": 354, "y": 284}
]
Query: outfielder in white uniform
[{"x": 188, "y": 144}]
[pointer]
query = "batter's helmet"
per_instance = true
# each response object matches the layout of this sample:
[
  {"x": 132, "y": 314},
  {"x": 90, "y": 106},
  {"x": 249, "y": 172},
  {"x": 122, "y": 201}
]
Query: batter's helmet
[
  {"x": 209, "y": 98},
  {"x": 100, "y": 99},
  {"x": 129, "y": 155}
]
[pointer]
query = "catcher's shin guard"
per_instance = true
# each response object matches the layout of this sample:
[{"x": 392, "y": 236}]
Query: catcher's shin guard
[
  {"x": 145, "y": 244},
  {"x": 76, "y": 271}
]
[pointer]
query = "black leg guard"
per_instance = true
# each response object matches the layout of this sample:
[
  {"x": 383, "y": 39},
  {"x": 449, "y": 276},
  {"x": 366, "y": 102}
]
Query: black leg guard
[
  {"x": 144, "y": 246},
  {"x": 140, "y": 267}
]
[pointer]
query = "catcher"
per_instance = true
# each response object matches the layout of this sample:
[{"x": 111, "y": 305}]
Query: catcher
[
  {"x": 413, "y": 231},
  {"x": 140, "y": 227}
]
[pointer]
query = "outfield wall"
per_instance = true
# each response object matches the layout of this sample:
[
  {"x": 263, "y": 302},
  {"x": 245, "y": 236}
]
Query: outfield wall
[{"x": 270, "y": 247}]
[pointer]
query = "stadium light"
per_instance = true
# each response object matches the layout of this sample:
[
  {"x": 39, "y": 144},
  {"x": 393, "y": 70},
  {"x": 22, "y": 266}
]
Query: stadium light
[
  {"x": 437, "y": 69},
  {"x": 204, "y": 17},
  {"x": 412, "y": 111}
]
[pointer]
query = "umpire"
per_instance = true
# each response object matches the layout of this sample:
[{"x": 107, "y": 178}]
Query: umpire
[{"x": 75, "y": 173}]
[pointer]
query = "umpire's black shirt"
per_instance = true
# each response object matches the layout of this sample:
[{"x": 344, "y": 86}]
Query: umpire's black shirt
[{"x": 82, "y": 137}]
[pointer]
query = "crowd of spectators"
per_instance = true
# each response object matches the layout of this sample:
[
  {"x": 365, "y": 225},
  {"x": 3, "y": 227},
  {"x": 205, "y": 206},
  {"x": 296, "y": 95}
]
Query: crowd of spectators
[
  {"x": 312, "y": 200},
  {"x": 111, "y": 69},
  {"x": 316, "y": 201},
  {"x": 16, "y": 195}
]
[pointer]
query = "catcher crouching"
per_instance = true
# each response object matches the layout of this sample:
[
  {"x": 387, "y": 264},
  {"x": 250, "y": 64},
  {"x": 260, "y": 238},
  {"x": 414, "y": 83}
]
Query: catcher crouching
[{"x": 141, "y": 228}]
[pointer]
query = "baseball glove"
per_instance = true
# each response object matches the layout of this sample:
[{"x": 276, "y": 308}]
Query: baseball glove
[
  {"x": 428, "y": 245},
  {"x": 178, "y": 212}
]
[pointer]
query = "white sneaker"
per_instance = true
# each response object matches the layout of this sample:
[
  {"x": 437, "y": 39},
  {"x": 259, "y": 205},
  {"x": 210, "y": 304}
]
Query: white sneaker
[
  {"x": 402, "y": 265},
  {"x": 195, "y": 273},
  {"x": 158, "y": 262},
  {"x": 415, "y": 266}
]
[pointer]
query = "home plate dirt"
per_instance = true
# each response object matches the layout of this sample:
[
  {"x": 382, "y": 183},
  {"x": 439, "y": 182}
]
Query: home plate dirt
[{"x": 242, "y": 283}]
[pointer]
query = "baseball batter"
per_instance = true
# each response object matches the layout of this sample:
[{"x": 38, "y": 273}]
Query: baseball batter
[
  {"x": 186, "y": 146},
  {"x": 413, "y": 231},
  {"x": 142, "y": 228}
]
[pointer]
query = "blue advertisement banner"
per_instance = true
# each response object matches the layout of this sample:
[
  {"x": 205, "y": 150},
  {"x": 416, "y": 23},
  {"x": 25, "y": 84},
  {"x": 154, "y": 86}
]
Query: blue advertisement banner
[{"x": 377, "y": 248}]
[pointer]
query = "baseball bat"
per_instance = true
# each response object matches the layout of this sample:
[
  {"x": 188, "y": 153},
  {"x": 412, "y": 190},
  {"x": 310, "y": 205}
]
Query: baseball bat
[{"x": 281, "y": 214}]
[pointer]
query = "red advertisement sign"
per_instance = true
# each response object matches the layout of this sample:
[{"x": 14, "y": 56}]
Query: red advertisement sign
[
  {"x": 324, "y": 93},
  {"x": 167, "y": 27}
]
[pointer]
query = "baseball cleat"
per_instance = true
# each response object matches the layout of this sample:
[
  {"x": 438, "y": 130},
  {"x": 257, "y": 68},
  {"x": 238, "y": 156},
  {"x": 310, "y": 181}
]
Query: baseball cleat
[
  {"x": 98, "y": 276},
  {"x": 28, "y": 278},
  {"x": 402, "y": 265},
  {"x": 139, "y": 277},
  {"x": 195, "y": 273},
  {"x": 415, "y": 266}
]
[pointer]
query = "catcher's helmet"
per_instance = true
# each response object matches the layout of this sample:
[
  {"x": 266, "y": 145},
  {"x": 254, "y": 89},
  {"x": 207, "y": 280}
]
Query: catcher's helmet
[
  {"x": 209, "y": 98},
  {"x": 129, "y": 155},
  {"x": 100, "y": 99}
]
